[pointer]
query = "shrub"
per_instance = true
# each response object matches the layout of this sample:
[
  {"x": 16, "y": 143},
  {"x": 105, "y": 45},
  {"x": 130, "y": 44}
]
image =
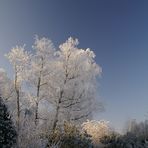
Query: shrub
[
  {"x": 69, "y": 137},
  {"x": 97, "y": 130},
  {"x": 128, "y": 140}
]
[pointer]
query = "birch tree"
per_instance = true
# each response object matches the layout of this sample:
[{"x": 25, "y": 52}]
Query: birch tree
[
  {"x": 19, "y": 58},
  {"x": 66, "y": 78},
  {"x": 40, "y": 70},
  {"x": 72, "y": 86}
]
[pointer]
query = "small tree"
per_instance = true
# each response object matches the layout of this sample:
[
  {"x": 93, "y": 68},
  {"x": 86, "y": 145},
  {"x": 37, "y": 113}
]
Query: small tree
[{"x": 7, "y": 131}]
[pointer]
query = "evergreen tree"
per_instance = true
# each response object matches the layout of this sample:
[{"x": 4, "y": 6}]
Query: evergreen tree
[{"x": 7, "y": 130}]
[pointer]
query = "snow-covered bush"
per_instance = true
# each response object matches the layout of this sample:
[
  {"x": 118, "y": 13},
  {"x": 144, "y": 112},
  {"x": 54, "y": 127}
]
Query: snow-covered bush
[
  {"x": 69, "y": 137},
  {"x": 96, "y": 129}
]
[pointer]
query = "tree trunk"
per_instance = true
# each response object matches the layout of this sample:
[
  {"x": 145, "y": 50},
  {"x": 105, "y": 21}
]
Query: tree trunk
[
  {"x": 18, "y": 109},
  {"x": 37, "y": 103},
  {"x": 38, "y": 94},
  {"x": 57, "y": 111},
  {"x": 36, "y": 114},
  {"x": 59, "y": 103},
  {"x": 17, "y": 100},
  {"x": 17, "y": 105},
  {"x": 56, "y": 118}
]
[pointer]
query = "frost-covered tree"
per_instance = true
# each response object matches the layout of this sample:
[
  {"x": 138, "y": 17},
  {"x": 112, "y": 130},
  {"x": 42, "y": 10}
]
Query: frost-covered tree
[
  {"x": 65, "y": 78},
  {"x": 138, "y": 129},
  {"x": 19, "y": 58},
  {"x": 61, "y": 84},
  {"x": 7, "y": 130},
  {"x": 39, "y": 71},
  {"x": 6, "y": 85},
  {"x": 3, "y": 81},
  {"x": 72, "y": 85},
  {"x": 7, "y": 91}
]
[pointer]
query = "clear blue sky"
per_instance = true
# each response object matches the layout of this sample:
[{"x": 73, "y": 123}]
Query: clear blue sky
[{"x": 117, "y": 31}]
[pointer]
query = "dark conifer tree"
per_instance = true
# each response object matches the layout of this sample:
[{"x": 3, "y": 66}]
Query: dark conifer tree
[{"x": 7, "y": 130}]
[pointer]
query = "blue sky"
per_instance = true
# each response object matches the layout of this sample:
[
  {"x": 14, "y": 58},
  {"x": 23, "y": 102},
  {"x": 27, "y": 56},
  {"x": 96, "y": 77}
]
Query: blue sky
[{"x": 116, "y": 30}]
